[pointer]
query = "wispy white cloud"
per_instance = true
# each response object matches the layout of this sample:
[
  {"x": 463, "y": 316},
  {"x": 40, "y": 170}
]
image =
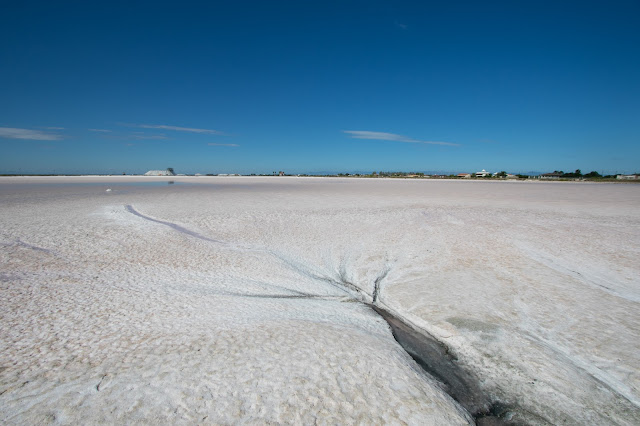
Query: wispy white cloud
[
  {"x": 223, "y": 144},
  {"x": 127, "y": 136},
  {"x": 383, "y": 136},
  {"x": 142, "y": 136},
  {"x": 175, "y": 128},
  {"x": 36, "y": 135},
  {"x": 401, "y": 26}
]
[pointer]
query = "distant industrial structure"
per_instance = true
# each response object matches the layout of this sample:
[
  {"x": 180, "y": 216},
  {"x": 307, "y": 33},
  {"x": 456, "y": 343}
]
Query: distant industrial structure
[{"x": 168, "y": 172}]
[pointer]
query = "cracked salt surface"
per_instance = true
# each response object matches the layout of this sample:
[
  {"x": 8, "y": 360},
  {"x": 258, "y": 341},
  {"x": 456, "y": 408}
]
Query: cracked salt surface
[{"x": 223, "y": 301}]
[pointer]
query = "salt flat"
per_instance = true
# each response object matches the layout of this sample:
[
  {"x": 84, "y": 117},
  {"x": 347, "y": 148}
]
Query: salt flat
[{"x": 223, "y": 299}]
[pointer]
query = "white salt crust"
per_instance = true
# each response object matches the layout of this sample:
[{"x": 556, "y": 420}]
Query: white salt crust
[{"x": 217, "y": 303}]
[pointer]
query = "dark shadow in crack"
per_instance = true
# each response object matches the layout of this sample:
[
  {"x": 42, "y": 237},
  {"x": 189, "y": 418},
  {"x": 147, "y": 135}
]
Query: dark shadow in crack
[{"x": 435, "y": 358}]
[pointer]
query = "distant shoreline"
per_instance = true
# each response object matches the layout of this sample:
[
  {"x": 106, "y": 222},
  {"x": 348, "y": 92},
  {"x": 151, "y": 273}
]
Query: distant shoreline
[{"x": 5, "y": 177}]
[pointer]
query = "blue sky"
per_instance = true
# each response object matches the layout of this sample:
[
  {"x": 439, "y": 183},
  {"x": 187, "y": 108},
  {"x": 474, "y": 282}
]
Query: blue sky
[{"x": 309, "y": 86}]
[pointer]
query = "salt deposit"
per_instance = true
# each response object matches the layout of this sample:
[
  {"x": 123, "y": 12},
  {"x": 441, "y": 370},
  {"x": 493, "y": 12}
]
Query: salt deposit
[{"x": 228, "y": 300}]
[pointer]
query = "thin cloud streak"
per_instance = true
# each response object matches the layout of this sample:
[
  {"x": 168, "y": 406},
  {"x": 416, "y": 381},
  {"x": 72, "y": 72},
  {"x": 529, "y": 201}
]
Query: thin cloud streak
[
  {"x": 145, "y": 137},
  {"x": 175, "y": 128},
  {"x": 139, "y": 136},
  {"x": 383, "y": 136},
  {"x": 36, "y": 135},
  {"x": 223, "y": 144},
  {"x": 401, "y": 26}
]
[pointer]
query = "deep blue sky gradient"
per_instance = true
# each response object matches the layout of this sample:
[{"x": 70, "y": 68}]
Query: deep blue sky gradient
[{"x": 511, "y": 85}]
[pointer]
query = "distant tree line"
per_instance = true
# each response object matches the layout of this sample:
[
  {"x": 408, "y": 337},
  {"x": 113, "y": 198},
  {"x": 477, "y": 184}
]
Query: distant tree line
[
  {"x": 578, "y": 174},
  {"x": 500, "y": 175}
]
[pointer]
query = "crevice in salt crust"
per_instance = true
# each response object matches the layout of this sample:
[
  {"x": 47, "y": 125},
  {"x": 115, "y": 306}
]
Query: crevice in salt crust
[{"x": 433, "y": 356}]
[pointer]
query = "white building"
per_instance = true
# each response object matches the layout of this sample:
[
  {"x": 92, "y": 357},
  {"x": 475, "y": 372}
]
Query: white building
[{"x": 483, "y": 173}]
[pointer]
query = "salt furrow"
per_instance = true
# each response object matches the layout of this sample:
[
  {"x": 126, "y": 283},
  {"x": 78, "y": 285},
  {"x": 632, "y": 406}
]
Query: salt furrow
[{"x": 174, "y": 226}]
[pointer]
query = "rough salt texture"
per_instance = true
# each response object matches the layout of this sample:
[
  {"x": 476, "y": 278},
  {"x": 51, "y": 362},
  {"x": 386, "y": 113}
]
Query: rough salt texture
[{"x": 219, "y": 300}]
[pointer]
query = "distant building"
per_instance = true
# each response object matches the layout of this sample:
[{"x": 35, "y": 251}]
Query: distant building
[
  {"x": 483, "y": 173},
  {"x": 628, "y": 177},
  {"x": 464, "y": 175},
  {"x": 168, "y": 172},
  {"x": 551, "y": 176}
]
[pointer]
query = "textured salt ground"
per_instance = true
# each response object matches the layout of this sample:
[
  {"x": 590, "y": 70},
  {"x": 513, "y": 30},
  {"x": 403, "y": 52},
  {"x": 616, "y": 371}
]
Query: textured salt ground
[{"x": 533, "y": 286}]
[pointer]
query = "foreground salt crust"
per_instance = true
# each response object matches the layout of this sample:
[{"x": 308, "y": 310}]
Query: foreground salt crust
[{"x": 112, "y": 316}]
